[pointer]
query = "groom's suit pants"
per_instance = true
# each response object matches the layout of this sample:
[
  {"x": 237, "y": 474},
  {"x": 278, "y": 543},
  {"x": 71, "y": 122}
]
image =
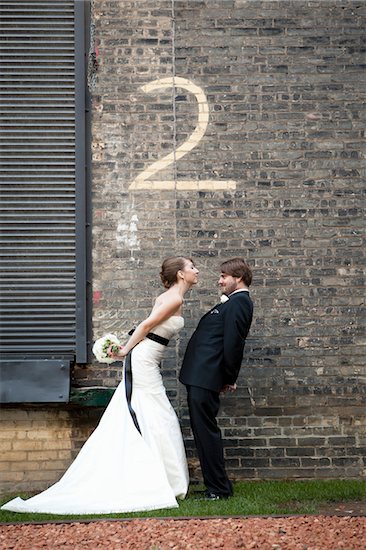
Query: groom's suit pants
[{"x": 203, "y": 408}]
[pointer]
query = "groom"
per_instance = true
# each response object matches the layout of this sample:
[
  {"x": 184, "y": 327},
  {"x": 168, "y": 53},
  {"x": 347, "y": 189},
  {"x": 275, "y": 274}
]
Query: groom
[{"x": 211, "y": 366}]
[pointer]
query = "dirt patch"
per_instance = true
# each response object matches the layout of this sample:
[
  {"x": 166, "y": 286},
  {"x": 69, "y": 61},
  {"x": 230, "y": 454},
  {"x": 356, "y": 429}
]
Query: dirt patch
[
  {"x": 272, "y": 533},
  {"x": 351, "y": 508}
]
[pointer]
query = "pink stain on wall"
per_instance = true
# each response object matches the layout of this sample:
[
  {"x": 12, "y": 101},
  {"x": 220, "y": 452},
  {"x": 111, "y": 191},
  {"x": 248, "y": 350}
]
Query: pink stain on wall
[{"x": 96, "y": 297}]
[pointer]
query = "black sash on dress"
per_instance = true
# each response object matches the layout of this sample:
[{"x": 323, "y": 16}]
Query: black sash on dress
[
  {"x": 128, "y": 384},
  {"x": 155, "y": 337},
  {"x": 128, "y": 373}
]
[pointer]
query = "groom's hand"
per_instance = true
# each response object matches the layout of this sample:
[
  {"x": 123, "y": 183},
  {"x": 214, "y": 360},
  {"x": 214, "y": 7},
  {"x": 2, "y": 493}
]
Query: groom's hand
[{"x": 229, "y": 388}]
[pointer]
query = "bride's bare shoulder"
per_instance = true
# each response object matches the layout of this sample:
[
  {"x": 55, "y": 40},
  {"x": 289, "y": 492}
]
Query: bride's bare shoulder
[{"x": 168, "y": 298}]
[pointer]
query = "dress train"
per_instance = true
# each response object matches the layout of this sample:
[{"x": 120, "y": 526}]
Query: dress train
[{"x": 120, "y": 469}]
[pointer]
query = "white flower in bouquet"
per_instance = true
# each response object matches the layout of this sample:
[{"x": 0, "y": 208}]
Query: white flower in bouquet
[
  {"x": 103, "y": 344},
  {"x": 223, "y": 298}
]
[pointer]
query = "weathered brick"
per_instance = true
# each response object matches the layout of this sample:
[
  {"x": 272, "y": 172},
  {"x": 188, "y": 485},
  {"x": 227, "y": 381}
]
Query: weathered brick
[{"x": 284, "y": 84}]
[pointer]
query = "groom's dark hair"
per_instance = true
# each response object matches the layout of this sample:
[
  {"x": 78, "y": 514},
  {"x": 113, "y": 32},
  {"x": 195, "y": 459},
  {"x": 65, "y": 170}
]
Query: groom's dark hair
[{"x": 238, "y": 267}]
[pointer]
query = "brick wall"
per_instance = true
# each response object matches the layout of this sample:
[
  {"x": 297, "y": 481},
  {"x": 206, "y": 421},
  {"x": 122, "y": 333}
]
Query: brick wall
[
  {"x": 273, "y": 93},
  {"x": 38, "y": 443},
  {"x": 280, "y": 170}
]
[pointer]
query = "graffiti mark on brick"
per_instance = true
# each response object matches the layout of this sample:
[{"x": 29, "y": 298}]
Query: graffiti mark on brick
[{"x": 127, "y": 234}]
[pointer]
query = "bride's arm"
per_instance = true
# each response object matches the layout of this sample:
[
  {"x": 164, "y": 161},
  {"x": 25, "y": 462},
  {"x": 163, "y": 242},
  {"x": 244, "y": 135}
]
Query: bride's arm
[{"x": 160, "y": 313}]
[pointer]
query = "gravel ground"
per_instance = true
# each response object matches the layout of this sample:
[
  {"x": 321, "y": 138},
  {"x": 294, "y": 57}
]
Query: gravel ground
[{"x": 271, "y": 533}]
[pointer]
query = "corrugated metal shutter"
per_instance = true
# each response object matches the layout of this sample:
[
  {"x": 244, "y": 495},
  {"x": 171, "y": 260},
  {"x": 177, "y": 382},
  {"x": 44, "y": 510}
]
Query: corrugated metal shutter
[{"x": 38, "y": 168}]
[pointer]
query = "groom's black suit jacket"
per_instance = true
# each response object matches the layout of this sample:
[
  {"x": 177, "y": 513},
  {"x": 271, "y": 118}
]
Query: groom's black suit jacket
[{"x": 215, "y": 351}]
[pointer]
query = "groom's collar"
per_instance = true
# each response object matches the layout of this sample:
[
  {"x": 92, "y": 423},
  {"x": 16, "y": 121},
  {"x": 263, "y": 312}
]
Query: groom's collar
[{"x": 238, "y": 290}]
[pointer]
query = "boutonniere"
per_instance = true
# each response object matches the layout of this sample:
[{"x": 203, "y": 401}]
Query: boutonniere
[{"x": 223, "y": 298}]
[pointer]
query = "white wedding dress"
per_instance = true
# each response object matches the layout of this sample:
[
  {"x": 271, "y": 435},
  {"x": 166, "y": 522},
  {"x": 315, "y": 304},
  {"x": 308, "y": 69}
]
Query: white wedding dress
[{"x": 120, "y": 469}]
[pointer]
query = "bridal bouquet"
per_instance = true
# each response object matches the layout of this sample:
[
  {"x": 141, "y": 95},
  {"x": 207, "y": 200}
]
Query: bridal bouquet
[{"x": 102, "y": 345}]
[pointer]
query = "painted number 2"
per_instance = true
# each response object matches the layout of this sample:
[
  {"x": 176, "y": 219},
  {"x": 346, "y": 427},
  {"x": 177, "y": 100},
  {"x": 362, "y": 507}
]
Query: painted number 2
[{"x": 143, "y": 181}]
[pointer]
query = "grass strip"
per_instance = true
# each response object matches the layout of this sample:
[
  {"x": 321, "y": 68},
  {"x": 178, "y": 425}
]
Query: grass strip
[{"x": 250, "y": 498}]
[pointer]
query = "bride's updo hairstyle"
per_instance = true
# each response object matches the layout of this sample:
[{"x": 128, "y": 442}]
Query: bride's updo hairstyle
[{"x": 170, "y": 268}]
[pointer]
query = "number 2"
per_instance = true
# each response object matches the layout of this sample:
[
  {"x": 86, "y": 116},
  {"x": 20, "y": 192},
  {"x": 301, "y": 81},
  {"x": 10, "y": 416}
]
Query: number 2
[{"x": 142, "y": 181}]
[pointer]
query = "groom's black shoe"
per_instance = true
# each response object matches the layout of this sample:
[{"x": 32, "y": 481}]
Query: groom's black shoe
[
  {"x": 215, "y": 496},
  {"x": 209, "y": 495}
]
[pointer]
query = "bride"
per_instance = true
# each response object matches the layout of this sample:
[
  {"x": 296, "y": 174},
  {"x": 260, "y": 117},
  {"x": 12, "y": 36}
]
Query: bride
[{"x": 135, "y": 459}]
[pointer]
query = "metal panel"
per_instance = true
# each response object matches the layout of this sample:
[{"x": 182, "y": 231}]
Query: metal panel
[
  {"x": 41, "y": 220},
  {"x": 41, "y": 381},
  {"x": 80, "y": 177}
]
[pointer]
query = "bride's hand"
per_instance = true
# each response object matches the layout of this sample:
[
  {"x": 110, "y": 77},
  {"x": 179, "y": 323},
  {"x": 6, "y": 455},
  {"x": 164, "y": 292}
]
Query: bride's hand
[{"x": 119, "y": 355}]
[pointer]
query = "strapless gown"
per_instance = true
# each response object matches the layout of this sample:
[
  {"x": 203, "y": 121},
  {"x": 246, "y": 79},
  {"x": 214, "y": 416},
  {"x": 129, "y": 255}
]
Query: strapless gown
[{"x": 120, "y": 469}]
